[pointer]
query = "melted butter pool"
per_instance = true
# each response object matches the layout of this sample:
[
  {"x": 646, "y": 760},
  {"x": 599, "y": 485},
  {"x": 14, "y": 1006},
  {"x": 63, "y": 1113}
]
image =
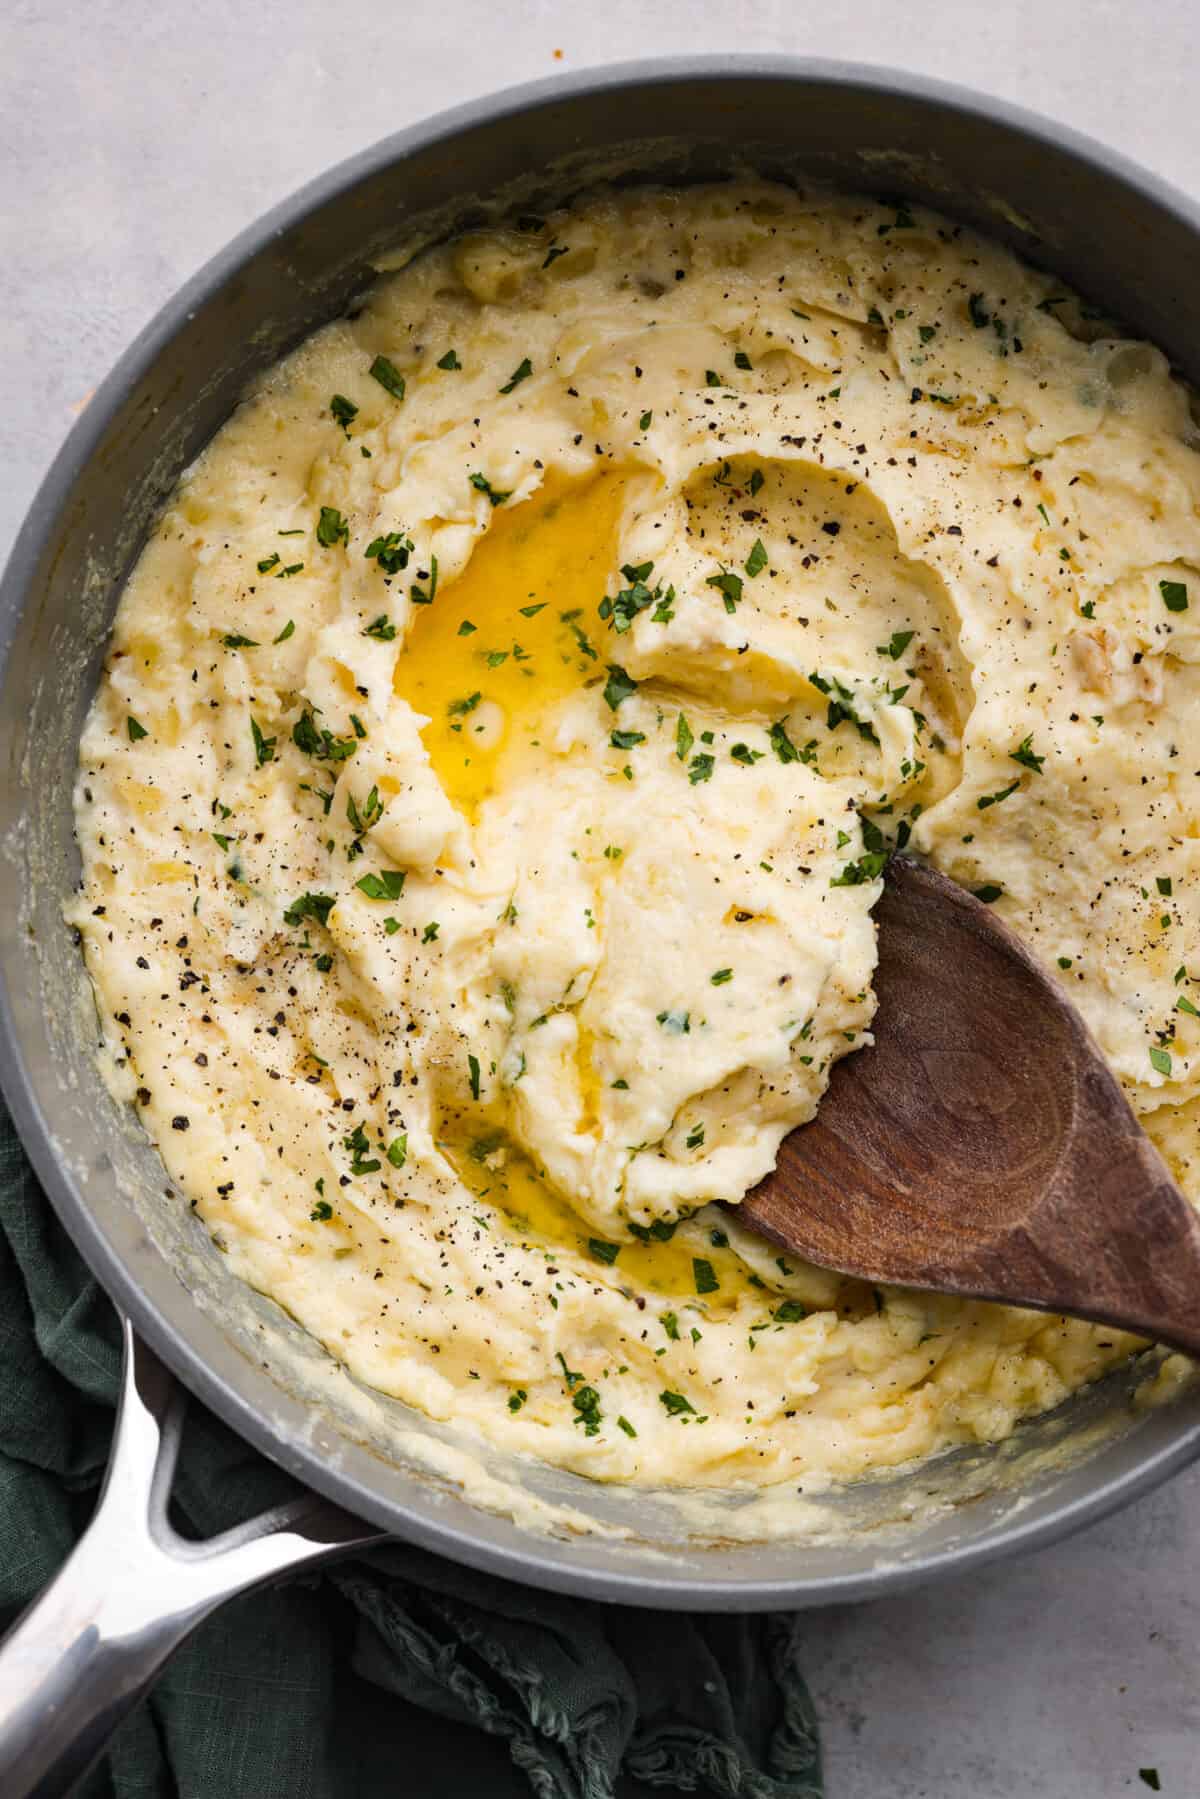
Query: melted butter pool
[
  {"x": 514, "y": 634},
  {"x": 494, "y": 1168}
]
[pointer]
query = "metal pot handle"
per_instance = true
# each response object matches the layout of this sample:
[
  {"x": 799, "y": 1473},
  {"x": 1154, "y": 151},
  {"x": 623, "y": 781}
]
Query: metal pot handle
[{"x": 132, "y": 1589}]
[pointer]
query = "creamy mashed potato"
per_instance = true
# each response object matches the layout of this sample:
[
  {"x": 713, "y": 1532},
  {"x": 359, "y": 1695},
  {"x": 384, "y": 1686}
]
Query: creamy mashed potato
[{"x": 491, "y": 779}]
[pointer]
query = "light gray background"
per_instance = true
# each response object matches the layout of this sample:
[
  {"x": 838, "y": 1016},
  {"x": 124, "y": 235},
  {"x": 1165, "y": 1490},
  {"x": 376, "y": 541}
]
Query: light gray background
[{"x": 136, "y": 136}]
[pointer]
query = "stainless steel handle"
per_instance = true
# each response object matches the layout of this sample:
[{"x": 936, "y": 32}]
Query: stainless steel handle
[{"x": 131, "y": 1591}]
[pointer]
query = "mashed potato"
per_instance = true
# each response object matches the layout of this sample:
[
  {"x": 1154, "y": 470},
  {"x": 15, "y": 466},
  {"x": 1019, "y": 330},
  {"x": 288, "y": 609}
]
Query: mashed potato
[{"x": 503, "y": 735}]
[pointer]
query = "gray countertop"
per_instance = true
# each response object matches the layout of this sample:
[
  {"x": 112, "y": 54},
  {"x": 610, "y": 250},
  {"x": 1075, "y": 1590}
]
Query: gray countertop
[{"x": 136, "y": 136}]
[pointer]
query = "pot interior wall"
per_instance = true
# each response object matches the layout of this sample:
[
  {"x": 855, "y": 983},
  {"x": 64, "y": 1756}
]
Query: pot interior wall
[{"x": 173, "y": 390}]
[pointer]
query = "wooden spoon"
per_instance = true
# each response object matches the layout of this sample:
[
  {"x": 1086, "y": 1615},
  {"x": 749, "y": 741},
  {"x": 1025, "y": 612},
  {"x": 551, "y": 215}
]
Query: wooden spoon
[{"x": 981, "y": 1146}]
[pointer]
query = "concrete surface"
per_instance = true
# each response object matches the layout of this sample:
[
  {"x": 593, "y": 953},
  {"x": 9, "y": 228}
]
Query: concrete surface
[{"x": 136, "y": 136}]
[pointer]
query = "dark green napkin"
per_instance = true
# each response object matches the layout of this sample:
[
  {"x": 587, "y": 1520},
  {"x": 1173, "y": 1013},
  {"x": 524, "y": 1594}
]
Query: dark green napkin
[{"x": 388, "y": 1673}]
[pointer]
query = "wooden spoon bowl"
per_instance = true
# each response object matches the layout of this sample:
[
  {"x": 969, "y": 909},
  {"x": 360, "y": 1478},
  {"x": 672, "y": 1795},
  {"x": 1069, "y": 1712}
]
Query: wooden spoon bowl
[{"x": 981, "y": 1145}]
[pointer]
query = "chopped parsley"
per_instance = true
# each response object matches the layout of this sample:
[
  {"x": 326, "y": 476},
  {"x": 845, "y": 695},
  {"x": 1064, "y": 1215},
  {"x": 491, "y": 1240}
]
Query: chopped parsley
[
  {"x": 381, "y": 629},
  {"x": 618, "y": 687},
  {"x": 391, "y": 551},
  {"x": 288, "y": 631},
  {"x": 781, "y": 743},
  {"x": 361, "y": 820},
  {"x": 1160, "y": 1061},
  {"x": 397, "y": 1150},
  {"x": 683, "y": 738},
  {"x": 388, "y": 376},
  {"x": 308, "y": 736},
  {"x": 842, "y": 706},
  {"x": 521, "y": 373},
  {"x": 264, "y": 747},
  {"x": 332, "y": 528},
  {"x": 729, "y": 586},
  {"x": 1024, "y": 754},
  {"x": 361, "y": 1159},
  {"x": 387, "y": 884},
  {"x": 483, "y": 485},
  {"x": 676, "y": 1404},
  {"x": 756, "y": 561},
  {"x": 310, "y": 905},
  {"x": 604, "y": 1252},
  {"x": 626, "y": 740},
  {"x": 645, "y": 421},
  {"x": 449, "y": 360},
  {"x": 429, "y": 935},
  {"x": 586, "y": 1401},
  {"x": 322, "y": 1212},
  {"x": 1174, "y": 595},
  {"x": 700, "y": 768},
  {"x": 344, "y": 411},
  {"x": 419, "y": 595},
  {"x": 896, "y": 645},
  {"x": 135, "y": 729},
  {"x": 622, "y": 608},
  {"x": 869, "y": 867},
  {"x": 996, "y": 799},
  {"x": 720, "y": 976},
  {"x": 790, "y": 1312},
  {"x": 704, "y": 1275},
  {"x": 267, "y": 563},
  {"x": 473, "y": 1072}
]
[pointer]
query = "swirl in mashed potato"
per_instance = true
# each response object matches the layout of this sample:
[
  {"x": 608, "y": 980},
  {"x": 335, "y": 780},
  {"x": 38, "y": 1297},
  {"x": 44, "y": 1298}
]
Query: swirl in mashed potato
[{"x": 502, "y": 739}]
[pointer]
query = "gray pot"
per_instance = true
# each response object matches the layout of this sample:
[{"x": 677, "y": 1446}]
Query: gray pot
[{"x": 132, "y": 1591}]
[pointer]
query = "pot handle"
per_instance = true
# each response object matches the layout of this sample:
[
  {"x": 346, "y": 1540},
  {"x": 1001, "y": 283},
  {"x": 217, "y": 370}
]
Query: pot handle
[{"x": 132, "y": 1589}]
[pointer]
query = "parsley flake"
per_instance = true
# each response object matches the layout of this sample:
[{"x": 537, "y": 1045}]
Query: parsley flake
[
  {"x": 521, "y": 373},
  {"x": 618, "y": 687},
  {"x": 483, "y": 485},
  {"x": 388, "y": 376},
  {"x": 332, "y": 528},
  {"x": 264, "y": 747},
  {"x": 344, "y": 411},
  {"x": 729, "y": 586},
  {"x": 1024, "y": 754}
]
